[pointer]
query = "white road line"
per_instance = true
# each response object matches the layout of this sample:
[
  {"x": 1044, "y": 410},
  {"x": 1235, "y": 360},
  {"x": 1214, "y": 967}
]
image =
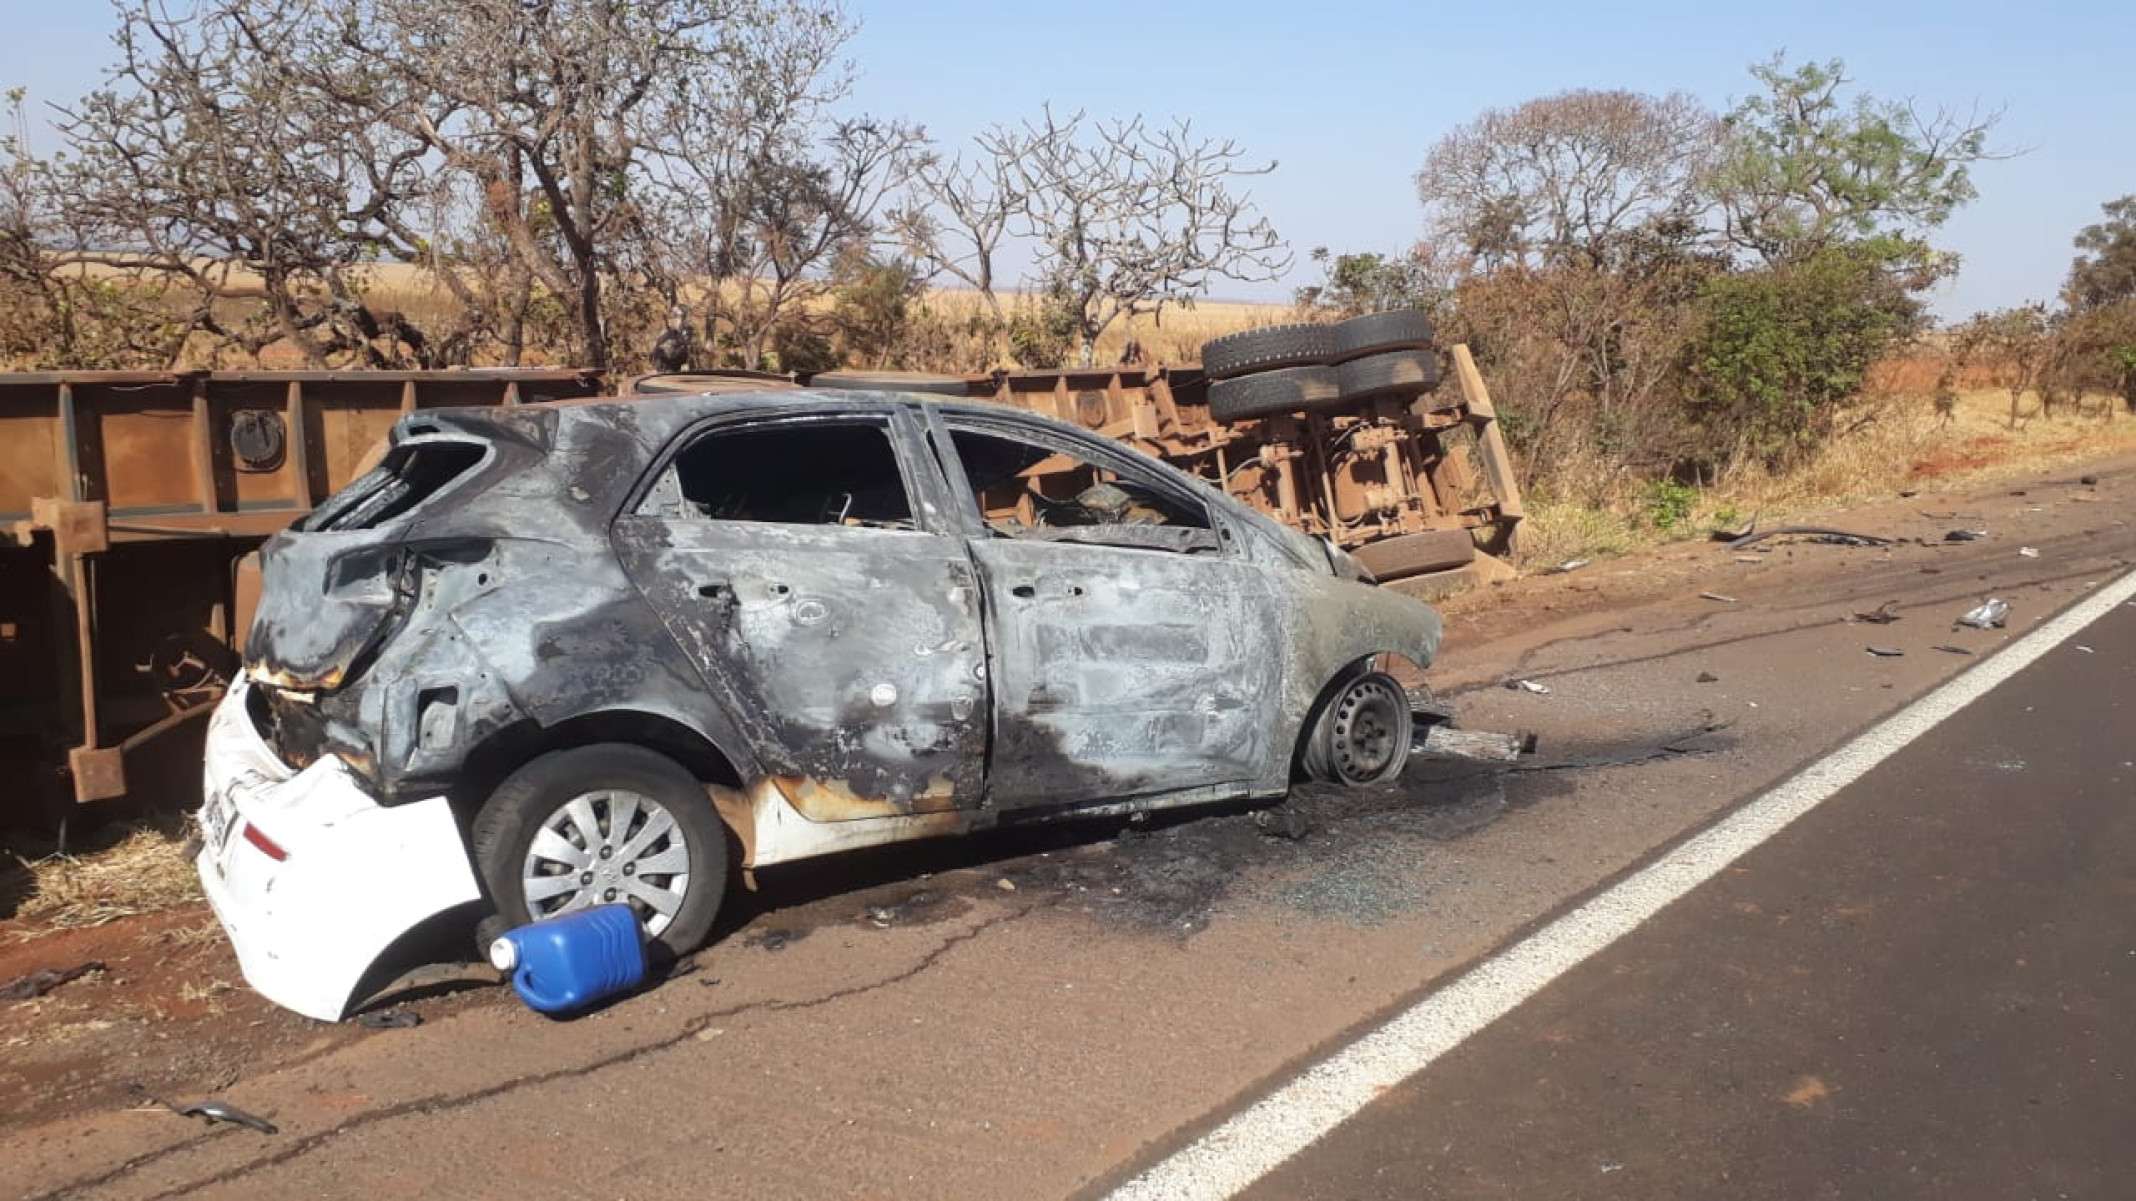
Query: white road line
[{"x": 1253, "y": 1142}]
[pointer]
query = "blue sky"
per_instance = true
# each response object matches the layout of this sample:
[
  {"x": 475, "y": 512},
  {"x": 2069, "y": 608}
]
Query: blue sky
[{"x": 1348, "y": 97}]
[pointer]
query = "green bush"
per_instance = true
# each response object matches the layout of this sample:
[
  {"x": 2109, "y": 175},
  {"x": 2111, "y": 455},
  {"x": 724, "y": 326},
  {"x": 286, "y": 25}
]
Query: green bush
[
  {"x": 1778, "y": 353},
  {"x": 1668, "y": 504}
]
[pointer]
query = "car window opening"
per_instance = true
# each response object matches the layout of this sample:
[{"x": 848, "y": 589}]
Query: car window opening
[
  {"x": 409, "y": 475},
  {"x": 844, "y": 475},
  {"x": 1026, "y": 490}
]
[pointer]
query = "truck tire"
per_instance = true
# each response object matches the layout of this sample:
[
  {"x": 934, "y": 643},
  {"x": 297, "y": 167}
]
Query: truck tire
[
  {"x": 1376, "y": 333},
  {"x": 1397, "y": 373},
  {"x": 646, "y": 812},
  {"x": 923, "y": 382},
  {"x": 1267, "y": 349},
  {"x": 1266, "y": 393},
  {"x": 1405, "y": 555}
]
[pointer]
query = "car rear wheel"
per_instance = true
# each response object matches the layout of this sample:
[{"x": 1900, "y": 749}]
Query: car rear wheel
[
  {"x": 1363, "y": 734},
  {"x": 603, "y": 824}
]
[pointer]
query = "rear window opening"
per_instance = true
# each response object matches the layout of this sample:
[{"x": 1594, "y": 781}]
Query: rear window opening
[{"x": 410, "y": 474}]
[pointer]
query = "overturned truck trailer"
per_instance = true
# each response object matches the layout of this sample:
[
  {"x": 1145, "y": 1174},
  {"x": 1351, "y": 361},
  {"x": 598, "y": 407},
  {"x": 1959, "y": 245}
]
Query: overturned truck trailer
[{"x": 129, "y": 500}]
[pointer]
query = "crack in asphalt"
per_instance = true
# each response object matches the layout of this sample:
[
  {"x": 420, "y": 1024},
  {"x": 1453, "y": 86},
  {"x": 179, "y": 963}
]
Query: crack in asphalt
[{"x": 443, "y": 1104}]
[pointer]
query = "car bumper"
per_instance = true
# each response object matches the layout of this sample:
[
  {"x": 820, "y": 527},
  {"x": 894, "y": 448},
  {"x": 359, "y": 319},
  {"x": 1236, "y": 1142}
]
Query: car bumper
[{"x": 352, "y": 876}]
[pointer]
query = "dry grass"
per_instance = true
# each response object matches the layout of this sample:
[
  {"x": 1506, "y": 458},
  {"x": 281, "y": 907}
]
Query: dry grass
[
  {"x": 1904, "y": 444},
  {"x": 143, "y": 871}
]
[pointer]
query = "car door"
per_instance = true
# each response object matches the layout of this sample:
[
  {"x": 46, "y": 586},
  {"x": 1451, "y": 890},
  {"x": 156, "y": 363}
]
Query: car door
[
  {"x": 809, "y": 573},
  {"x": 1129, "y": 643}
]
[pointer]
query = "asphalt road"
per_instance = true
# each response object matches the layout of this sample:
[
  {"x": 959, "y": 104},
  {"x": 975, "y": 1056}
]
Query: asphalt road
[
  {"x": 1922, "y": 988},
  {"x": 1046, "y": 1015}
]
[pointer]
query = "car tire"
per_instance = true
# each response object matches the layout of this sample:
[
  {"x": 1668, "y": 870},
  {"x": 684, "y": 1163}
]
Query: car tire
[
  {"x": 1377, "y": 333},
  {"x": 1397, "y": 373},
  {"x": 1266, "y": 393},
  {"x": 1267, "y": 349},
  {"x": 538, "y": 796},
  {"x": 1362, "y": 733}
]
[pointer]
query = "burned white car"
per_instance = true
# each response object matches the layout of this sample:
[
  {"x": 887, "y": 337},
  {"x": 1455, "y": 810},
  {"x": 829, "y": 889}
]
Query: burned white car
[{"x": 548, "y": 657}]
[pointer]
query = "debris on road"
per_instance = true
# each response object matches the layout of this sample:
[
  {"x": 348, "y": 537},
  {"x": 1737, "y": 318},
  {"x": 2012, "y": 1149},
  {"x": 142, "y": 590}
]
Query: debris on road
[
  {"x": 1005, "y": 884},
  {"x": 1988, "y": 614},
  {"x": 1882, "y": 615},
  {"x": 1568, "y": 565},
  {"x": 43, "y": 980},
  {"x": 1818, "y": 533},
  {"x": 1962, "y": 535},
  {"x": 1955, "y": 650},
  {"x": 2029, "y": 552},
  {"x": 1528, "y": 686},
  {"x": 1287, "y": 822},
  {"x": 390, "y": 1019},
  {"x": 2085, "y": 649},
  {"x": 1715, "y": 596},
  {"x": 1478, "y": 745},
  {"x": 1886, "y": 652},
  {"x": 211, "y": 1111},
  {"x": 1707, "y": 677},
  {"x": 2089, "y": 481}
]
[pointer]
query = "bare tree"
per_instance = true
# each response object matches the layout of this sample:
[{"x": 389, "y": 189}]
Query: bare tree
[
  {"x": 957, "y": 219},
  {"x": 1128, "y": 218},
  {"x": 208, "y": 161},
  {"x": 768, "y": 247},
  {"x": 1563, "y": 177},
  {"x": 556, "y": 110}
]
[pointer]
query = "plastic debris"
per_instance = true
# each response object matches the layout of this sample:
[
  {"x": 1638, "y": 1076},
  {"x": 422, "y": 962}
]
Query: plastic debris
[
  {"x": 211, "y": 1111},
  {"x": 1965, "y": 535},
  {"x": 1885, "y": 652},
  {"x": 1005, "y": 884},
  {"x": 1955, "y": 650},
  {"x": 1989, "y": 614},
  {"x": 44, "y": 980},
  {"x": 2087, "y": 650},
  {"x": 1715, "y": 596},
  {"x": 1528, "y": 686},
  {"x": 2029, "y": 552},
  {"x": 1568, "y": 565}
]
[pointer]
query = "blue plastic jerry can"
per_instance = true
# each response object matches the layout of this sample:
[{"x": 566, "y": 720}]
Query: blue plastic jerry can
[{"x": 568, "y": 963}]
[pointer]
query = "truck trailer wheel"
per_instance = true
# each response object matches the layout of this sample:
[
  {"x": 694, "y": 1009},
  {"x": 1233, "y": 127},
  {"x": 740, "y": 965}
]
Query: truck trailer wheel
[
  {"x": 1377, "y": 333},
  {"x": 602, "y": 824},
  {"x": 1397, "y": 373},
  {"x": 1267, "y": 349},
  {"x": 1266, "y": 393}
]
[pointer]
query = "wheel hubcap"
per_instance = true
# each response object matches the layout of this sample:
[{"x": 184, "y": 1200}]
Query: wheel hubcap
[
  {"x": 609, "y": 845},
  {"x": 1365, "y": 738}
]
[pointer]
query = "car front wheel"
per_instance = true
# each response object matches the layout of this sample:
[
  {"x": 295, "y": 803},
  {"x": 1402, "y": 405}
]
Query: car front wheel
[{"x": 603, "y": 824}]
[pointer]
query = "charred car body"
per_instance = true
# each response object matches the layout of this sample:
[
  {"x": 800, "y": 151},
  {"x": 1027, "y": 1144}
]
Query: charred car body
[{"x": 553, "y": 656}]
